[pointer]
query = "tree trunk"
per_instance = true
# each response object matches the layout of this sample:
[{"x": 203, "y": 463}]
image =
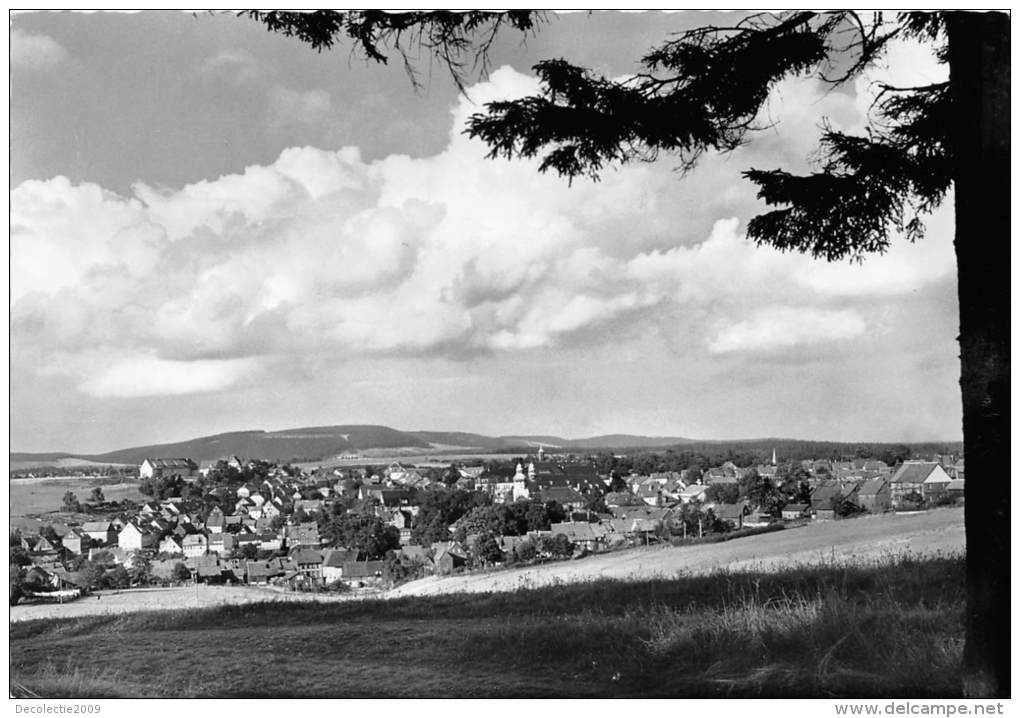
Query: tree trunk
[{"x": 979, "y": 80}]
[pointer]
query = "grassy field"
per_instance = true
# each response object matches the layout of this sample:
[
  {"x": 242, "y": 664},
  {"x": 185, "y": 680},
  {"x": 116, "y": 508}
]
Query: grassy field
[
  {"x": 870, "y": 537},
  {"x": 888, "y": 628},
  {"x": 31, "y": 497},
  {"x": 115, "y": 602}
]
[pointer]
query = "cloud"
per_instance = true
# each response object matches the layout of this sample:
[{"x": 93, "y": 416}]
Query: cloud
[
  {"x": 321, "y": 255},
  {"x": 239, "y": 66},
  {"x": 289, "y": 109},
  {"x": 781, "y": 327},
  {"x": 142, "y": 376},
  {"x": 35, "y": 52}
]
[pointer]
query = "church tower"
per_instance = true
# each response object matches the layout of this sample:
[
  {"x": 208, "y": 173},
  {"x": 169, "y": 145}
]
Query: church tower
[{"x": 520, "y": 484}]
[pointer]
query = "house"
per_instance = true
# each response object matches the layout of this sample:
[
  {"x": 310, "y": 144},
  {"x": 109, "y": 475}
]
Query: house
[
  {"x": 909, "y": 480},
  {"x": 205, "y": 569},
  {"x": 44, "y": 545},
  {"x": 362, "y": 573},
  {"x": 695, "y": 493},
  {"x": 195, "y": 545},
  {"x": 309, "y": 506},
  {"x": 260, "y": 572},
  {"x": 308, "y": 561},
  {"x": 170, "y": 545},
  {"x": 651, "y": 493},
  {"x": 936, "y": 485},
  {"x": 157, "y": 468},
  {"x": 954, "y": 489},
  {"x": 101, "y": 532},
  {"x": 632, "y": 528},
  {"x": 875, "y": 495},
  {"x": 76, "y": 541},
  {"x": 509, "y": 544},
  {"x": 616, "y": 499},
  {"x": 792, "y": 512},
  {"x": 215, "y": 522},
  {"x": 221, "y": 544},
  {"x": 566, "y": 496},
  {"x": 333, "y": 560},
  {"x": 448, "y": 558},
  {"x": 306, "y": 534},
  {"x": 720, "y": 475},
  {"x": 732, "y": 514},
  {"x": 826, "y": 499},
  {"x": 36, "y": 577},
  {"x": 586, "y": 535},
  {"x": 402, "y": 520}
]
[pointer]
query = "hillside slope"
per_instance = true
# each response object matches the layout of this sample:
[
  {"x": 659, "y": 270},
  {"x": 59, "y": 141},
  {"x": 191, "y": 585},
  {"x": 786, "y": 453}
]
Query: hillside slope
[
  {"x": 306, "y": 443},
  {"x": 928, "y": 533}
]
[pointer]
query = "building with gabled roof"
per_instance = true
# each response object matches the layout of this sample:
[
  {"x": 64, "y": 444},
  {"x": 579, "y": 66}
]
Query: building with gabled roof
[
  {"x": 911, "y": 476},
  {"x": 99, "y": 531},
  {"x": 566, "y": 496},
  {"x": 875, "y": 495},
  {"x": 587, "y": 535},
  {"x": 195, "y": 545},
  {"x": 155, "y": 468},
  {"x": 364, "y": 572},
  {"x": 170, "y": 545}
]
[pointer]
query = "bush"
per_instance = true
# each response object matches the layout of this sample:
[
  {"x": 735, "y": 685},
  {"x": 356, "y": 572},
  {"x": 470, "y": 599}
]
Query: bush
[{"x": 526, "y": 551}]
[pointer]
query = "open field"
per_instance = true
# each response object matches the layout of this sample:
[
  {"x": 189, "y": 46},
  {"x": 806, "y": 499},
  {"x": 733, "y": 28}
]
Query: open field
[
  {"x": 871, "y": 537},
  {"x": 38, "y": 496},
  {"x": 436, "y": 457},
  {"x": 886, "y": 629},
  {"x": 68, "y": 462},
  {"x": 163, "y": 599}
]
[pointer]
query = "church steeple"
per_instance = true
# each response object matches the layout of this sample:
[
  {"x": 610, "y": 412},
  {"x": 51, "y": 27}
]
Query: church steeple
[{"x": 773, "y": 457}]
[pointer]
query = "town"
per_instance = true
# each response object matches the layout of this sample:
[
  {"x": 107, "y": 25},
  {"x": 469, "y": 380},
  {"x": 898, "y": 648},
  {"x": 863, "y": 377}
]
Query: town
[{"x": 367, "y": 528}]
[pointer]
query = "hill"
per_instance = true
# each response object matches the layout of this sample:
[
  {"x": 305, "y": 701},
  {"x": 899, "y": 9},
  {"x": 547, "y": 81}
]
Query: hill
[
  {"x": 317, "y": 443},
  {"x": 606, "y": 441},
  {"x": 322, "y": 442},
  {"x": 306, "y": 443},
  {"x": 465, "y": 440},
  {"x": 628, "y": 441}
]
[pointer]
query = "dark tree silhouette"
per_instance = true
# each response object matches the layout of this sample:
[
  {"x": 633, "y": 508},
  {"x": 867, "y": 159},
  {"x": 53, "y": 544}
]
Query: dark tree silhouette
[
  {"x": 702, "y": 90},
  {"x": 459, "y": 41}
]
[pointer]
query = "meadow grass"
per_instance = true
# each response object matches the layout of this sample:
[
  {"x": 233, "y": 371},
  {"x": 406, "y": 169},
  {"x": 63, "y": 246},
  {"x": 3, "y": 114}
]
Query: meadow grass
[{"x": 861, "y": 629}]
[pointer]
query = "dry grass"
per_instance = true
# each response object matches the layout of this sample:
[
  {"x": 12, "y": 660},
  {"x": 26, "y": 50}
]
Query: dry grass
[{"x": 883, "y": 628}]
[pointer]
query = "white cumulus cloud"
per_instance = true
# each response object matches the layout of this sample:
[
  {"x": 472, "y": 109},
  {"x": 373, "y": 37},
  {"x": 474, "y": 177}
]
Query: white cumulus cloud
[
  {"x": 322, "y": 254},
  {"x": 35, "y": 52},
  {"x": 780, "y": 327},
  {"x": 141, "y": 376}
]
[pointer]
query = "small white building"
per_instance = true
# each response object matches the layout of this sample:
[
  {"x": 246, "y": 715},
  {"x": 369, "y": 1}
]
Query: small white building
[{"x": 195, "y": 545}]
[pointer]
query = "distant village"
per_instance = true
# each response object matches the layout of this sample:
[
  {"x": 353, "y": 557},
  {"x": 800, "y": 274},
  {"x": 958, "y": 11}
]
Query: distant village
[{"x": 368, "y": 528}]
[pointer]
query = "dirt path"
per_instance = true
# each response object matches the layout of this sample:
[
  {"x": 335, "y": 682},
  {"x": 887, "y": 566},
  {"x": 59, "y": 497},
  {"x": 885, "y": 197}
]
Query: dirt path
[
  {"x": 163, "y": 599},
  {"x": 865, "y": 538}
]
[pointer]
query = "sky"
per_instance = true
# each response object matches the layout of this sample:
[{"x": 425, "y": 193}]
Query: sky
[{"x": 215, "y": 228}]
